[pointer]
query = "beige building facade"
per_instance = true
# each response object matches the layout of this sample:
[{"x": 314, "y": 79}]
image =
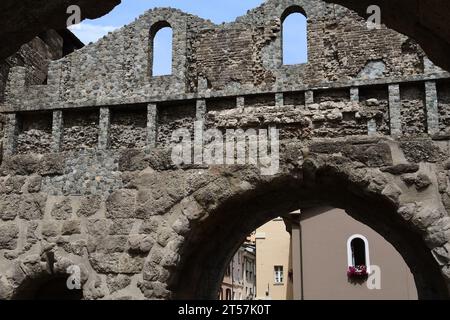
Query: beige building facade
[
  {"x": 328, "y": 255},
  {"x": 239, "y": 282}
]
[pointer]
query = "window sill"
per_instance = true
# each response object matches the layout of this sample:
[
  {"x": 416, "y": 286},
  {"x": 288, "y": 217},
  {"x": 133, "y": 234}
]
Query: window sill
[{"x": 279, "y": 284}]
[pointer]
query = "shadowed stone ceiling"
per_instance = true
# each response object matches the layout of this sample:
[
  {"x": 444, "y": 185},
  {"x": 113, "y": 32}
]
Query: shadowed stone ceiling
[{"x": 21, "y": 21}]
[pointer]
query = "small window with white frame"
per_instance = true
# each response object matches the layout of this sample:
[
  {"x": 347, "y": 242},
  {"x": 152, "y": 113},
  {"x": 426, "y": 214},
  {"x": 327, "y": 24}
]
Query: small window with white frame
[
  {"x": 278, "y": 271},
  {"x": 358, "y": 256}
]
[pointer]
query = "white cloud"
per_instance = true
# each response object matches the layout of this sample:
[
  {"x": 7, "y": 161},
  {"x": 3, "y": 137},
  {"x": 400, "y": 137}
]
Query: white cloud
[{"x": 87, "y": 32}]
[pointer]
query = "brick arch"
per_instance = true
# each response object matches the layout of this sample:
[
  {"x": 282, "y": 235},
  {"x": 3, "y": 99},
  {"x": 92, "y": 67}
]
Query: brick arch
[
  {"x": 292, "y": 9},
  {"x": 246, "y": 202}
]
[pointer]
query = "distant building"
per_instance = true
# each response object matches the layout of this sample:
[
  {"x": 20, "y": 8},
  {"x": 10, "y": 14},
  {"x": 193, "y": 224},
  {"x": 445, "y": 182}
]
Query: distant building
[
  {"x": 326, "y": 256},
  {"x": 239, "y": 282}
]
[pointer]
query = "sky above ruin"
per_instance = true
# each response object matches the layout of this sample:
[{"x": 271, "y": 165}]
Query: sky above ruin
[{"x": 216, "y": 11}]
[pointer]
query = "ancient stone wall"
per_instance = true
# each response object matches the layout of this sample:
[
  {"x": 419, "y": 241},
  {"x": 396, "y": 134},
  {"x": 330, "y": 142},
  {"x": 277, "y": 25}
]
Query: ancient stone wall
[{"x": 88, "y": 178}]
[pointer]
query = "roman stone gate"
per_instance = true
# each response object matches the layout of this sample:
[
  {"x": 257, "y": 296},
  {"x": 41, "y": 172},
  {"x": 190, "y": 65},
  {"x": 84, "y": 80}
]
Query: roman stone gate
[{"x": 88, "y": 185}]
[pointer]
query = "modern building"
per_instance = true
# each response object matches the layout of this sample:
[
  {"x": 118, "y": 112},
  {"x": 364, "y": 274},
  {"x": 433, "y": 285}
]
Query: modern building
[
  {"x": 328, "y": 255},
  {"x": 239, "y": 282}
]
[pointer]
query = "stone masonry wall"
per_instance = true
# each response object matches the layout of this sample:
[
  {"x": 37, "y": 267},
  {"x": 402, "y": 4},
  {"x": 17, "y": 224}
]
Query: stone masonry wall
[
  {"x": 413, "y": 109},
  {"x": 35, "y": 134},
  {"x": 444, "y": 107},
  {"x": 238, "y": 58},
  {"x": 375, "y": 100},
  {"x": 172, "y": 117},
  {"x": 81, "y": 130},
  {"x": 128, "y": 128}
]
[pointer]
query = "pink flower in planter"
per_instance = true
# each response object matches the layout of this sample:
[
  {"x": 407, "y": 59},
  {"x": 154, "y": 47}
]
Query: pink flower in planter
[{"x": 357, "y": 271}]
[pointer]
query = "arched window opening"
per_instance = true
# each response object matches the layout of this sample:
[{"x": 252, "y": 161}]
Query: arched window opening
[
  {"x": 294, "y": 36},
  {"x": 358, "y": 252},
  {"x": 161, "y": 49},
  {"x": 228, "y": 294},
  {"x": 358, "y": 255}
]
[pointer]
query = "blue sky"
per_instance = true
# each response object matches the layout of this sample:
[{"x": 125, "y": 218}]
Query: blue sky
[{"x": 215, "y": 10}]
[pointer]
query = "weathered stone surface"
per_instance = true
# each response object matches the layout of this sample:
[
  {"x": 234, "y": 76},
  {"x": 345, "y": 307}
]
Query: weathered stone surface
[
  {"x": 107, "y": 244},
  {"x": 32, "y": 206},
  {"x": 116, "y": 283},
  {"x": 8, "y": 236},
  {"x": 50, "y": 229},
  {"x": 13, "y": 184},
  {"x": 98, "y": 227},
  {"x": 371, "y": 155},
  {"x": 421, "y": 151},
  {"x": 140, "y": 244},
  {"x": 34, "y": 184},
  {"x": 9, "y": 207},
  {"x": 132, "y": 160},
  {"x": 422, "y": 181},
  {"x": 402, "y": 168},
  {"x": 71, "y": 227},
  {"x": 121, "y": 204},
  {"x": 6, "y": 289},
  {"x": 116, "y": 263},
  {"x": 19, "y": 165},
  {"x": 89, "y": 206},
  {"x": 62, "y": 210},
  {"x": 121, "y": 227},
  {"x": 52, "y": 165}
]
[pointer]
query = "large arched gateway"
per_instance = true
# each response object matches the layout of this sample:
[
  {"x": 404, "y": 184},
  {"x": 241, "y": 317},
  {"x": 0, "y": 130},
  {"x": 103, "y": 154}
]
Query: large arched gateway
[{"x": 96, "y": 187}]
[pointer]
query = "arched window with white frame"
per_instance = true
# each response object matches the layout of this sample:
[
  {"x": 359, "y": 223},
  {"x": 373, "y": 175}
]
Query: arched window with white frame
[{"x": 358, "y": 255}]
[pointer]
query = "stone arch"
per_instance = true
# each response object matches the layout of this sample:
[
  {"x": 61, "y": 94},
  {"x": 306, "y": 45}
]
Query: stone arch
[
  {"x": 246, "y": 202},
  {"x": 292, "y": 9},
  {"x": 154, "y": 29},
  {"x": 45, "y": 277}
]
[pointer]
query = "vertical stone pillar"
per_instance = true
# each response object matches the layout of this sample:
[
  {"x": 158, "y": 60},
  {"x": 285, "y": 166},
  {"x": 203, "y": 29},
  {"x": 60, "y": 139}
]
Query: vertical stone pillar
[
  {"x": 296, "y": 246},
  {"x": 354, "y": 94},
  {"x": 57, "y": 130},
  {"x": 152, "y": 125},
  {"x": 105, "y": 126},
  {"x": 279, "y": 99},
  {"x": 200, "y": 111},
  {"x": 240, "y": 102},
  {"x": 309, "y": 97},
  {"x": 395, "y": 106},
  {"x": 11, "y": 134},
  {"x": 371, "y": 127},
  {"x": 431, "y": 100}
]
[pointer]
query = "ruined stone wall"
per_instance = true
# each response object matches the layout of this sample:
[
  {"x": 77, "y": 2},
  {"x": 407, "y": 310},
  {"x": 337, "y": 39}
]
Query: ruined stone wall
[
  {"x": 172, "y": 117},
  {"x": 242, "y": 57},
  {"x": 444, "y": 107},
  {"x": 128, "y": 128},
  {"x": 413, "y": 109},
  {"x": 81, "y": 130},
  {"x": 35, "y": 133}
]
